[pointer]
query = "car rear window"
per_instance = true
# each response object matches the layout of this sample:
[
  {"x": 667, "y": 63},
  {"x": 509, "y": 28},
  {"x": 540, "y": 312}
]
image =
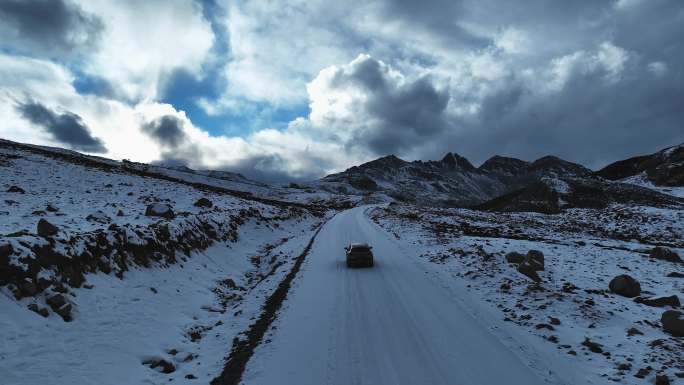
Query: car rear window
[{"x": 360, "y": 248}]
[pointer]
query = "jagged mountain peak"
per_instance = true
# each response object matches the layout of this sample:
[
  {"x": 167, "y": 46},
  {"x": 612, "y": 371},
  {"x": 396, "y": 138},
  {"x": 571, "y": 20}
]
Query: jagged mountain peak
[
  {"x": 385, "y": 162},
  {"x": 504, "y": 164},
  {"x": 554, "y": 164},
  {"x": 453, "y": 160}
]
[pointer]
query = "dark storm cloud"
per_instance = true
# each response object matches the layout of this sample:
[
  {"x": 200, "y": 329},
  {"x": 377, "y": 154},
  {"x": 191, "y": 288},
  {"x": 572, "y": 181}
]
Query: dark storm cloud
[
  {"x": 409, "y": 114},
  {"x": 67, "y": 127},
  {"x": 589, "y": 121},
  {"x": 167, "y": 131},
  {"x": 176, "y": 147},
  {"x": 273, "y": 168},
  {"x": 53, "y": 28},
  {"x": 600, "y": 114},
  {"x": 400, "y": 114}
]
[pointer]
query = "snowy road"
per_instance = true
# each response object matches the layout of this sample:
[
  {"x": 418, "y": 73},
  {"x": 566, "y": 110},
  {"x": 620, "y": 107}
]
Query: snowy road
[{"x": 390, "y": 324}]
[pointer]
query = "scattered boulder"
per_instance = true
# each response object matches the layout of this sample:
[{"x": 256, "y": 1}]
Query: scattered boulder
[
  {"x": 643, "y": 372},
  {"x": 634, "y": 331},
  {"x": 672, "y": 300},
  {"x": 625, "y": 286},
  {"x": 120, "y": 213},
  {"x": 51, "y": 208},
  {"x": 16, "y": 189},
  {"x": 46, "y": 229},
  {"x": 662, "y": 379},
  {"x": 160, "y": 365},
  {"x": 514, "y": 257},
  {"x": 594, "y": 347},
  {"x": 544, "y": 326},
  {"x": 569, "y": 287},
  {"x": 65, "y": 312},
  {"x": 673, "y": 322},
  {"x": 665, "y": 254},
  {"x": 56, "y": 301},
  {"x": 38, "y": 310},
  {"x": 536, "y": 259},
  {"x": 160, "y": 210},
  {"x": 60, "y": 306},
  {"x": 28, "y": 287},
  {"x": 675, "y": 274},
  {"x": 99, "y": 217},
  {"x": 204, "y": 202},
  {"x": 529, "y": 270}
]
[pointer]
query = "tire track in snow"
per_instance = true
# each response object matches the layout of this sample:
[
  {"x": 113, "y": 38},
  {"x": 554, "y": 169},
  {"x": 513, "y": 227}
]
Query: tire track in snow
[{"x": 243, "y": 349}]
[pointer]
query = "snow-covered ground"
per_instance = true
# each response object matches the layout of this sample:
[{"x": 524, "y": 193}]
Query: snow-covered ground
[
  {"x": 642, "y": 180},
  {"x": 159, "y": 299},
  {"x": 66, "y": 194},
  {"x": 175, "y": 307},
  {"x": 186, "y": 314},
  {"x": 584, "y": 250},
  {"x": 395, "y": 323}
]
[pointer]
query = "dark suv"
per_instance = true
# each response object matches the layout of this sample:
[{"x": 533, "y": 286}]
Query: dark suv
[{"x": 359, "y": 255}]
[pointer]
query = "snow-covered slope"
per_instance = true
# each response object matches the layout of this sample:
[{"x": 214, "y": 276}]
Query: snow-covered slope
[
  {"x": 113, "y": 274},
  {"x": 571, "y": 314},
  {"x": 221, "y": 181},
  {"x": 552, "y": 195},
  {"x": 120, "y": 272},
  {"x": 663, "y": 168}
]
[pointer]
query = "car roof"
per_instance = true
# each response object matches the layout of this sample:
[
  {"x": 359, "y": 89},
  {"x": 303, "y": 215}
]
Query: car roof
[{"x": 359, "y": 246}]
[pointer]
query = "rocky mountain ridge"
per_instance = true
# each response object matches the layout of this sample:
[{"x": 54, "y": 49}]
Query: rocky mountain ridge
[
  {"x": 451, "y": 181},
  {"x": 663, "y": 168}
]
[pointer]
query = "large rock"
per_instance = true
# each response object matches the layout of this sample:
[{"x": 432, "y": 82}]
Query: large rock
[
  {"x": 672, "y": 300},
  {"x": 160, "y": 365},
  {"x": 625, "y": 286},
  {"x": 160, "y": 210},
  {"x": 60, "y": 306},
  {"x": 673, "y": 322},
  {"x": 514, "y": 257},
  {"x": 56, "y": 301},
  {"x": 665, "y": 254},
  {"x": 65, "y": 312},
  {"x": 16, "y": 189},
  {"x": 204, "y": 202},
  {"x": 38, "y": 310},
  {"x": 99, "y": 217},
  {"x": 527, "y": 269},
  {"x": 536, "y": 259},
  {"x": 46, "y": 229}
]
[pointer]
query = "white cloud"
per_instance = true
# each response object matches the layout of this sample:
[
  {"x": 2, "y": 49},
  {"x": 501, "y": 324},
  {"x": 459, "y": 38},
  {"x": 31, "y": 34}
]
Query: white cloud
[
  {"x": 513, "y": 40},
  {"x": 657, "y": 68},
  {"x": 118, "y": 125},
  {"x": 627, "y": 4},
  {"x": 277, "y": 47},
  {"x": 144, "y": 40},
  {"x": 612, "y": 58}
]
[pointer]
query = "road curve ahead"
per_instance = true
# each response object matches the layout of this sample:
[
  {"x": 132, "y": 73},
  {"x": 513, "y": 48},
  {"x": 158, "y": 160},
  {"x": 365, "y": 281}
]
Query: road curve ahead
[{"x": 389, "y": 324}]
